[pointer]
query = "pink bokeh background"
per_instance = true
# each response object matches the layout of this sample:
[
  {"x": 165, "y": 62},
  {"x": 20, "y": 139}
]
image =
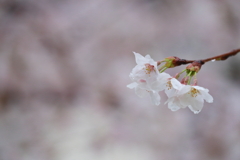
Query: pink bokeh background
[{"x": 64, "y": 67}]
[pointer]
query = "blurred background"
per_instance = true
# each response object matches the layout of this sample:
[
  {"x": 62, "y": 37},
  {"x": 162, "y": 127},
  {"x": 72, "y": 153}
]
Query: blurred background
[{"x": 65, "y": 64}]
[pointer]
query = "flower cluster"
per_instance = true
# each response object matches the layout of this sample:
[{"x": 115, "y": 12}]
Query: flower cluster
[{"x": 148, "y": 79}]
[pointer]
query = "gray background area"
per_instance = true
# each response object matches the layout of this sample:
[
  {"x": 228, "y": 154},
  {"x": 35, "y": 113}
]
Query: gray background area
[{"x": 65, "y": 64}]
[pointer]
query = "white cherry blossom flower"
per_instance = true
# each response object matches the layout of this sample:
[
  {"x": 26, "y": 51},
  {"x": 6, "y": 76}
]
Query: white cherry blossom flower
[
  {"x": 189, "y": 96},
  {"x": 146, "y": 78},
  {"x": 145, "y": 70}
]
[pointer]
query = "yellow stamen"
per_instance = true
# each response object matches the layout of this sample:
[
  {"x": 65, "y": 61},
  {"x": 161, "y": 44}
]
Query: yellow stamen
[
  {"x": 169, "y": 85},
  {"x": 194, "y": 92}
]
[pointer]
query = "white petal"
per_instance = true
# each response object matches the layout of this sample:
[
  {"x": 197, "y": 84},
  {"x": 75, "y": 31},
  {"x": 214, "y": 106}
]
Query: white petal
[
  {"x": 207, "y": 97},
  {"x": 159, "y": 81},
  {"x": 138, "y": 71},
  {"x": 171, "y": 92},
  {"x": 193, "y": 104},
  {"x": 184, "y": 89},
  {"x": 148, "y": 56},
  {"x": 204, "y": 94},
  {"x": 186, "y": 99},
  {"x": 157, "y": 86},
  {"x": 200, "y": 88},
  {"x": 155, "y": 98},
  {"x": 176, "y": 84},
  {"x": 178, "y": 103},
  {"x": 173, "y": 106},
  {"x": 132, "y": 85},
  {"x": 143, "y": 86},
  {"x": 140, "y": 59},
  {"x": 196, "y": 107},
  {"x": 199, "y": 97},
  {"x": 163, "y": 77},
  {"x": 140, "y": 92},
  {"x": 152, "y": 77},
  {"x": 138, "y": 75},
  {"x": 168, "y": 100},
  {"x": 150, "y": 60}
]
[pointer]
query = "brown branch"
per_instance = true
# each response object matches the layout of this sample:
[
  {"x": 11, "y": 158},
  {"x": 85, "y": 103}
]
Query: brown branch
[{"x": 221, "y": 57}]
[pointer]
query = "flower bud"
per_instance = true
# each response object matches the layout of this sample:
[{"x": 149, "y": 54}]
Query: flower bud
[
  {"x": 194, "y": 67},
  {"x": 171, "y": 62}
]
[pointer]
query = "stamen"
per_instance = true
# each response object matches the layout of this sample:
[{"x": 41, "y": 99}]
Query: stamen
[
  {"x": 169, "y": 85},
  {"x": 149, "y": 68},
  {"x": 194, "y": 92}
]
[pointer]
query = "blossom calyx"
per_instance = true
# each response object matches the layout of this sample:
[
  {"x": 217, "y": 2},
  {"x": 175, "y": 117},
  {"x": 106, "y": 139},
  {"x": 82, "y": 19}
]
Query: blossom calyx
[
  {"x": 194, "y": 67},
  {"x": 171, "y": 62}
]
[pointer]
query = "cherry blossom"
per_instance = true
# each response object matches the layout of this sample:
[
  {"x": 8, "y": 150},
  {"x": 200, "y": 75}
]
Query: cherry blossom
[
  {"x": 189, "y": 96},
  {"x": 145, "y": 70},
  {"x": 146, "y": 78}
]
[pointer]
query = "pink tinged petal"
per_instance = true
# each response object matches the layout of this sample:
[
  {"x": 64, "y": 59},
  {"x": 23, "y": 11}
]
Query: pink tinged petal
[
  {"x": 140, "y": 92},
  {"x": 176, "y": 84},
  {"x": 132, "y": 85},
  {"x": 155, "y": 97}
]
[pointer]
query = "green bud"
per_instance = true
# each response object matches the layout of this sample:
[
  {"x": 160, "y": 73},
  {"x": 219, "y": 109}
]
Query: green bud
[{"x": 171, "y": 62}]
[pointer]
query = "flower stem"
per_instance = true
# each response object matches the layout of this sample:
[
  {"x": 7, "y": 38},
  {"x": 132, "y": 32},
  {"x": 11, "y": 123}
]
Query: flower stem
[
  {"x": 163, "y": 69},
  {"x": 195, "y": 79},
  {"x": 178, "y": 74},
  {"x": 189, "y": 80},
  {"x": 190, "y": 77}
]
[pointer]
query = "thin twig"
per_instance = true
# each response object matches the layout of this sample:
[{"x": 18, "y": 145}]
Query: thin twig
[{"x": 221, "y": 57}]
